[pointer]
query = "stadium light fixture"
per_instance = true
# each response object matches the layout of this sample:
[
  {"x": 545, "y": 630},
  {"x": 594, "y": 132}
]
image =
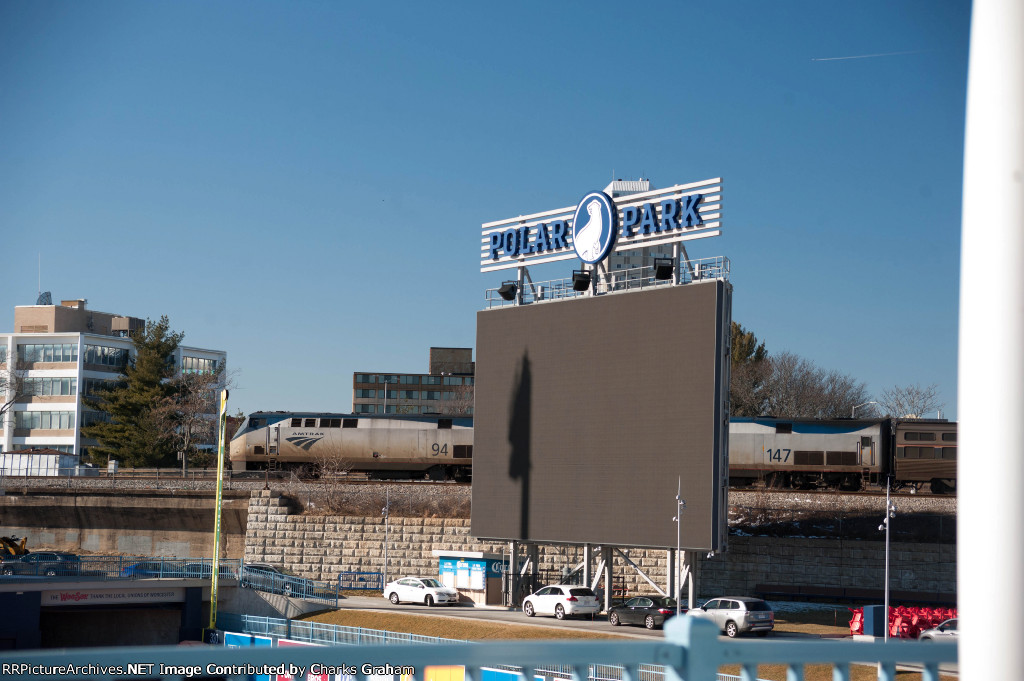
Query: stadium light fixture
[
  {"x": 580, "y": 280},
  {"x": 663, "y": 269},
  {"x": 508, "y": 290}
]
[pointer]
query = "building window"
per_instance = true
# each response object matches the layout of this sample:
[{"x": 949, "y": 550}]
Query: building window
[
  {"x": 104, "y": 355},
  {"x": 431, "y": 394},
  {"x": 411, "y": 380},
  {"x": 198, "y": 365},
  {"x": 364, "y": 392},
  {"x": 92, "y": 387},
  {"x": 432, "y": 380},
  {"x": 3, "y": 354},
  {"x": 389, "y": 394},
  {"x": 409, "y": 394},
  {"x": 365, "y": 409},
  {"x": 64, "y": 449},
  {"x": 92, "y": 417},
  {"x": 366, "y": 378},
  {"x": 453, "y": 380},
  {"x": 45, "y": 420},
  {"x": 64, "y": 352},
  {"x": 51, "y": 386},
  {"x": 469, "y": 380}
]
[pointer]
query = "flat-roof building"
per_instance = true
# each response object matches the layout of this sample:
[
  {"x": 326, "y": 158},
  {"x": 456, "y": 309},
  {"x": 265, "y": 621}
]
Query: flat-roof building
[
  {"x": 58, "y": 354},
  {"x": 446, "y": 388}
]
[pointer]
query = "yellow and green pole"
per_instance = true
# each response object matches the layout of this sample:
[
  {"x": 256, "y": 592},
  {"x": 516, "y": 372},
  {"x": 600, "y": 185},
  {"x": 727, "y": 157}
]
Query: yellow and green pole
[{"x": 222, "y": 431}]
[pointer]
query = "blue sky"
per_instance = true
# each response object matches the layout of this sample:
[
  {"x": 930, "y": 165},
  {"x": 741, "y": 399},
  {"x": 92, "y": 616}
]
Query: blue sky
[{"x": 302, "y": 183}]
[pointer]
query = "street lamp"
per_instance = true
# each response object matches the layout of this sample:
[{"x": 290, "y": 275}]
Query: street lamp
[
  {"x": 853, "y": 411},
  {"x": 680, "y": 506},
  {"x": 385, "y": 396},
  {"x": 385, "y": 512},
  {"x": 890, "y": 513}
]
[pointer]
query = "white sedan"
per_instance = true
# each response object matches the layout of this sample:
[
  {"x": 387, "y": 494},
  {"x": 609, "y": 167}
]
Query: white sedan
[
  {"x": 561, "y": 600},
  {"x": 425, "y": 590}
]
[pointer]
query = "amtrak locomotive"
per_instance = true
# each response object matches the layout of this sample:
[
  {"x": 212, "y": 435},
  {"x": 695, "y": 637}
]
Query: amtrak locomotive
[
  {"x": 845, "y": 454},
  {"x": 387, "y": 447}
]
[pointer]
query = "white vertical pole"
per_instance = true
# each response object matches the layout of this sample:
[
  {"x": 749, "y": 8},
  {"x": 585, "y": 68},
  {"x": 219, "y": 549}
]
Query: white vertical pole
[{"x": 990, "y": 531}]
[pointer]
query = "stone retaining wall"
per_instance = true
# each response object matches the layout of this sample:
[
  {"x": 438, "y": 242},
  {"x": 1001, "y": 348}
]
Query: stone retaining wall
[{"x": 320, "y": 547}]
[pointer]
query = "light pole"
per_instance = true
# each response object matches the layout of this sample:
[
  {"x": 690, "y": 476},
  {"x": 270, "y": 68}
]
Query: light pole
[
  {"x": 385, "y": 396},
  {"x": 890, "y": 513},
  {"x": 853, "y": 411},
  {"x": 680, "y": 506},
  {"x": 385, "y": 512}
]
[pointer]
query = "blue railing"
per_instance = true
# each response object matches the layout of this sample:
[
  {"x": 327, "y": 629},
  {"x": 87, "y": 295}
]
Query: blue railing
[
  {"x": 319, "y": 632},
  {"x": 692, "y": 650},
  {"x": 113, "y": 567},
  {"x": 360, "y": 581}
]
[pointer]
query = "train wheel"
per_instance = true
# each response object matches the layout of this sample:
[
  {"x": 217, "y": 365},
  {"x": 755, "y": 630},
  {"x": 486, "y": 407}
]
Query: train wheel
[{"x": 940, "y": 486}]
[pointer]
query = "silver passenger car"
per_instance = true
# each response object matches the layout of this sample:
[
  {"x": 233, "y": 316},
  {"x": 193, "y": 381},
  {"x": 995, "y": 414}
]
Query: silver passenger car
[{"x": 737, "y": 615}]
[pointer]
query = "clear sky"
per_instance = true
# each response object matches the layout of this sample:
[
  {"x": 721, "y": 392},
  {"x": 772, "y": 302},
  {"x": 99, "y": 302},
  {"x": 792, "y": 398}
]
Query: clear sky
[{"x": 302, "y": 184}]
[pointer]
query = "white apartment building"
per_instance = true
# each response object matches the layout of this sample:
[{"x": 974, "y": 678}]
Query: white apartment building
[{"x": 60, "y": 354}]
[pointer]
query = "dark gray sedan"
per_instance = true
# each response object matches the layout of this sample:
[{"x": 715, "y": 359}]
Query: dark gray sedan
[{"x": 650, "y": 611}]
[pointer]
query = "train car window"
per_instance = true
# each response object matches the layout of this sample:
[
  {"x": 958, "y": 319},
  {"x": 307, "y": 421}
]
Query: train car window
[
  {"x": 809, "y": 458},
  {"x": 949, "y": 437},
  {"x": 350, "y": 423},
  {"x": 255, "y": 423},
  {"x": 296, "y": 423},
  {"x": 865, "y": 441},
  {"x": 330, "y": 423},
  {"x": 444, "y": 423},
  {"x": 917, "y": 435},
  {"x": 783, "y": 428},
  {"x": 258, "y": 449},
  {"x": 462, "y": 452},
  {"x": 311, "y": 423},
  {"x": 949, "y": 452},
  {"x": 911, "y": 436}
]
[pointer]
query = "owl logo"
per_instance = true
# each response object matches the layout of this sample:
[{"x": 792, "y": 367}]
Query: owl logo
[{"x": 594, "y": 227}]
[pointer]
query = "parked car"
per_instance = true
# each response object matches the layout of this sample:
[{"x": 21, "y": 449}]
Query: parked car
[
  {"x": 267, "y": 577},
  {"x": 738, "y": 615},
  {"x": 152, "y": 568},
  {"x": 947, "y": 631},
  {"x": 425, "y": 590},
  {"x": 48, "y": 563},
  {"x": 650, "y": 611},
  {"x": 561, "y": 600}
]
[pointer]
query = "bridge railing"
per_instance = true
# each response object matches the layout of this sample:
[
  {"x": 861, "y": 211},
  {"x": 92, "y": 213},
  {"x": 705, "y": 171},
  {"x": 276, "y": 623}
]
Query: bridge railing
[
  {"x": 692, "y": 650},
  {"x": 360, "y": 581}
]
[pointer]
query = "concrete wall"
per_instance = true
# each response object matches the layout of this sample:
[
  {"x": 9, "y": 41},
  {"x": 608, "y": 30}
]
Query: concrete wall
[
  {"x": 147, "y": 523},
  {"x": 322, "y": 546}
]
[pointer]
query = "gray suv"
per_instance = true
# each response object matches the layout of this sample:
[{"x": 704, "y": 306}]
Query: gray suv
[{"x": 738, "y": 615}]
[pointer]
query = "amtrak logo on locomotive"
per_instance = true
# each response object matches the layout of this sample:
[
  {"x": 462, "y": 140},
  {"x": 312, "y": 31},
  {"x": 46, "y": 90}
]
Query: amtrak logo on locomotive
[{"x": 304, "y": 441}]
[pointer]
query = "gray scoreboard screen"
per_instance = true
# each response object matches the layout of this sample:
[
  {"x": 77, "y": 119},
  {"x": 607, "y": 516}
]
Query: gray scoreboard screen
[{"x": 589, "y": 411}]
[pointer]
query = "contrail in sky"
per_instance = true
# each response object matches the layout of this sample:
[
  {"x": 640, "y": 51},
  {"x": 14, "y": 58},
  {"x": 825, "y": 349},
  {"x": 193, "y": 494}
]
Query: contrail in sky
[{"x": 866, "y": 56}]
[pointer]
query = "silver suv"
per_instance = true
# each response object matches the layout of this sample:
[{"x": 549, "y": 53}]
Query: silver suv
[{"x": 737, "y": 615}]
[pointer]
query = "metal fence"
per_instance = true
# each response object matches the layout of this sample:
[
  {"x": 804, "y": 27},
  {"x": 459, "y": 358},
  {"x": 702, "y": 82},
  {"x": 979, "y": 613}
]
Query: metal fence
[
  {"x": 52, "y": 564},
  {"x": 360, "y": 581},
  {"x": 691, "y": 650}
]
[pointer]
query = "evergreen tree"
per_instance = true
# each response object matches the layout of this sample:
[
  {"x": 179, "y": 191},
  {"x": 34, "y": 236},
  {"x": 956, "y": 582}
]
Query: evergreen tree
[
  {"x": 749, "y": 372},
  {"x": 133, "y": 435}
]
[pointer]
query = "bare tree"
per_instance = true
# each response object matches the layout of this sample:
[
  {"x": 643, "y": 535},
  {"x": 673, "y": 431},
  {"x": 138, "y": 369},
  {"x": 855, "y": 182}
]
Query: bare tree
[
  {"x": 13, "y": 385},
  {"x": 458, "y": 400},
  {"x": 188, "y": 416},
  {"x": 910, "y": 401},
  {"x": 796, "y": 387}
]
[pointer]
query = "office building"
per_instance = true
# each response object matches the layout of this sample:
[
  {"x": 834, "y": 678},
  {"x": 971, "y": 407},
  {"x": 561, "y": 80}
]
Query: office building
[
  {"x": 446, "y": 388},
  {"x": 58, "y": 354}
]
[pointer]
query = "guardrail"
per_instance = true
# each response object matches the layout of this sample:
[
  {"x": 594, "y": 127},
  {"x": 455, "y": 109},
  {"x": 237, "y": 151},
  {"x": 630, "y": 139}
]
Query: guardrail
[
  {"x": 616, "y": 281},
  {"x": 288, "y": 585},
  {"x": 691, "y": 650}
]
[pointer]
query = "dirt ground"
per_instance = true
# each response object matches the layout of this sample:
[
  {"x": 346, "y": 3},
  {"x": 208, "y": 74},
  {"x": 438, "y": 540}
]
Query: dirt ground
[{"x": 816, "y": 621}]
